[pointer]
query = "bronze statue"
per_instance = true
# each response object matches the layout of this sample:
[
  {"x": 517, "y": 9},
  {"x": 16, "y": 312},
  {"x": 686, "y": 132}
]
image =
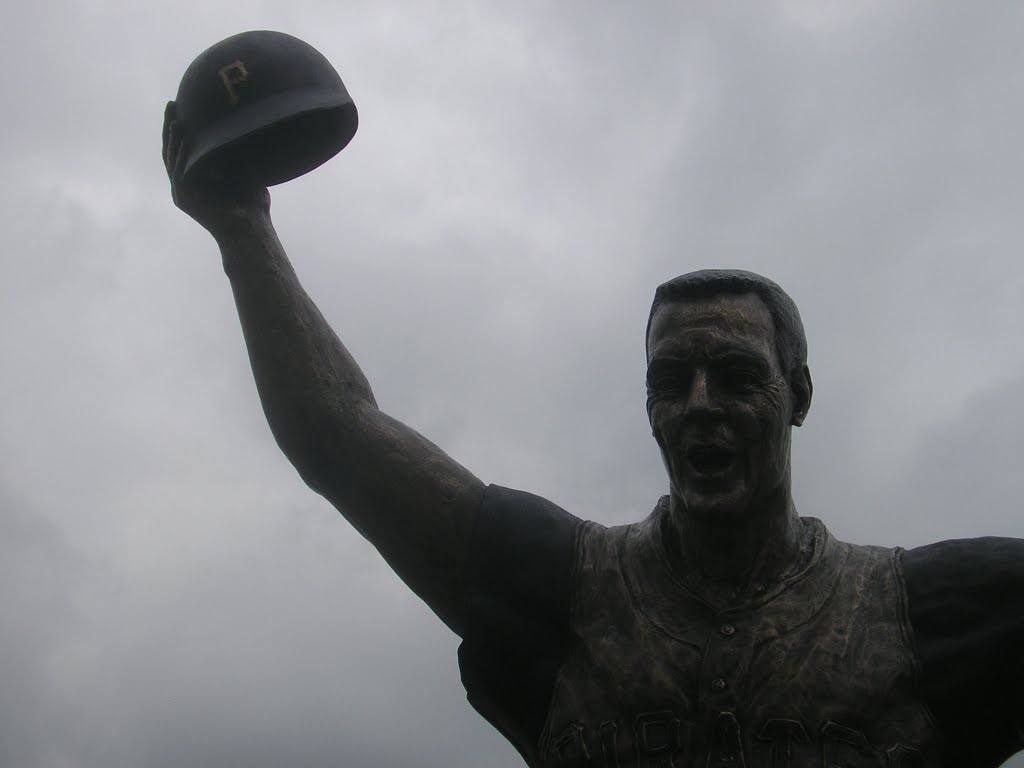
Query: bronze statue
[{"x": 722, "y": 631}]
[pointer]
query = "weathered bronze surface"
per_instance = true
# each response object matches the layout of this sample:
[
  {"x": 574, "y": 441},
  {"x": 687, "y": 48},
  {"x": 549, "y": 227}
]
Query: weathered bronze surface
[{"x": 723, "y": 630}]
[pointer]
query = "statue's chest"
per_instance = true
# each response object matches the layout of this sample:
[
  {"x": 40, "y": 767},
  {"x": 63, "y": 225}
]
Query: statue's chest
[{"x": 800, "y": 680}]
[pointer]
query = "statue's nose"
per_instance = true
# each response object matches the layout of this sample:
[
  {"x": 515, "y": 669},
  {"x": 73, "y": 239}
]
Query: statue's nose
[
  {"x": 700, "y": 399},
  {"x": 700, "y": 395}
]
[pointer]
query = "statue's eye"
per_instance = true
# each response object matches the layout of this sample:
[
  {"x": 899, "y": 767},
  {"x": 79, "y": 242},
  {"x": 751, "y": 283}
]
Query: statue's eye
[
  {"x": 742, "y": 379},
  {"x": 665, "y": 380},
  {"x": 662, "y": 383}
]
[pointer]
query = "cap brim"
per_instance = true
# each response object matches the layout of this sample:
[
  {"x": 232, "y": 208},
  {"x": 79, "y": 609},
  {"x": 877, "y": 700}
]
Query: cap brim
[{"x": 300, "y": 106}]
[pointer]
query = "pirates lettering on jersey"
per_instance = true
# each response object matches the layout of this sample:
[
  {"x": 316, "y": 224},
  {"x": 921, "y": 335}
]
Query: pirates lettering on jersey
[{"x": 663, "y": 740}]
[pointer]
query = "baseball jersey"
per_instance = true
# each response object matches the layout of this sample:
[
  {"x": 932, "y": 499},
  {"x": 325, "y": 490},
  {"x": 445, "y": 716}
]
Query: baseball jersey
[{"x": 584, "y": 648}]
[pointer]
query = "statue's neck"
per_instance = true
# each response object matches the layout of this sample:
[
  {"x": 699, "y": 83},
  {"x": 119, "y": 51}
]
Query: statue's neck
[{"x": 726, "y": 564}]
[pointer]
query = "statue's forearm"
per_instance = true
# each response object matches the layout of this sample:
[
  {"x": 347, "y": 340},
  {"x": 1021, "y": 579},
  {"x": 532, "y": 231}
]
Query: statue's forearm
[{"x": 308, "y": 382}]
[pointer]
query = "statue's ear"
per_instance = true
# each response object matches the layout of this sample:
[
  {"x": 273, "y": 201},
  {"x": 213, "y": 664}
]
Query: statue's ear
[{"x": 802, "y": 390}]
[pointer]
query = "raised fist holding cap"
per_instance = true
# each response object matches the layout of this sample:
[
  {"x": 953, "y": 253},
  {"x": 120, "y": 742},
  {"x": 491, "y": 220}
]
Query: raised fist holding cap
[{"x": 257, "y": 109}]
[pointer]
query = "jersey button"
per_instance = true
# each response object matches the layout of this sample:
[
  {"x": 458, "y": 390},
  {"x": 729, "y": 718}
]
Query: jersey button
[
  {"x": 718, "y": 684},
  {"x": 727, "y": 630}
]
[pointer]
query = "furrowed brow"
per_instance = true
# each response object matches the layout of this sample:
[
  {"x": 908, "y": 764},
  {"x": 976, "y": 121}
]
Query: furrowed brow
[
  {"x": 734, "y": 355},
  {"x": 744, "y": 360}
]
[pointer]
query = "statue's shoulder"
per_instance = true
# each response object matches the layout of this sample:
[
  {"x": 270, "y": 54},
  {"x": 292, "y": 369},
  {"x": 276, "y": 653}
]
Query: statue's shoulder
[
  {"x": 609, "y": 546},
  {"x": 518, "y": 521},
  {"x": 966, "y": 553},
  {"x": 864, "y": 554},
  {"x": 974, "y": 574}
]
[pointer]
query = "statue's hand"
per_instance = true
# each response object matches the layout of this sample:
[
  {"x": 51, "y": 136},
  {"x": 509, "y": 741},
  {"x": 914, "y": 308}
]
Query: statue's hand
[{"x": 215, "y": 203}]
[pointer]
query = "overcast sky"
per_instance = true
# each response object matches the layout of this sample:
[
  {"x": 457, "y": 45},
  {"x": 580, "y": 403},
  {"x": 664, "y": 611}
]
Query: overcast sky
[{"x": 524, "y": 175}]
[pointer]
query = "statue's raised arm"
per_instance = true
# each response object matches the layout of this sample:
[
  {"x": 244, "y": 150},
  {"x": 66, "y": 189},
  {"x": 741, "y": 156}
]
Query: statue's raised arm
[{"x": 404, "y": 494}]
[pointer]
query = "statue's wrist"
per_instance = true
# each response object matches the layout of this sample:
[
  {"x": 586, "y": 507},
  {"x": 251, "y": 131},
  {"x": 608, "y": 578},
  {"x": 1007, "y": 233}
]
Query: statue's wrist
[
  {"x": 239, "y": 223},
  {"x": 246, "y": 241}
]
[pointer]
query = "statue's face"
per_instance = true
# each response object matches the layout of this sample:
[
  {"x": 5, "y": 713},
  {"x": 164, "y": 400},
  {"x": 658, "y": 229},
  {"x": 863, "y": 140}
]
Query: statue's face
[{"x": 720, "y": 406}]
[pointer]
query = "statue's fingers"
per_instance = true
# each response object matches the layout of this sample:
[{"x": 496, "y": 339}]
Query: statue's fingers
[
  {"x": 169, "y": 111},
  {"x": 180, "y": 153},
  {"x": 170, "y": 147},
  {"x": 176, "y": 149}
]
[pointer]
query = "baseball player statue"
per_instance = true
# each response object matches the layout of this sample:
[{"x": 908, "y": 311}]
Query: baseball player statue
[{"x": 724, "y": 630}]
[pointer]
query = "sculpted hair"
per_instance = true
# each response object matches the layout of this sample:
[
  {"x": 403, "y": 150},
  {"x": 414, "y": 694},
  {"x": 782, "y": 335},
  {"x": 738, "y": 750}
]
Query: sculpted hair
[{"x": 790, "y": 340}]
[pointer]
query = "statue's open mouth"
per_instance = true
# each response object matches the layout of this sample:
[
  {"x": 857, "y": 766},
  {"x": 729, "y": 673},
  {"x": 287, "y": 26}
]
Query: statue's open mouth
[{"x": 710, "y": 459}]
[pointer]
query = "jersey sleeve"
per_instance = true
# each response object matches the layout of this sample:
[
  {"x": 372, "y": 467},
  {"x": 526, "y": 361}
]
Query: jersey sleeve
[
  {"x": 517, "y": 613},
  {"x": 965, "y": 602}
]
